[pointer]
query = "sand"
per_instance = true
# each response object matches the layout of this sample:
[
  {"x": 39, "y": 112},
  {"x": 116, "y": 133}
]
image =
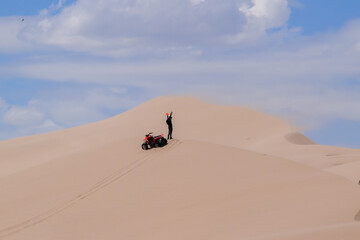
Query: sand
[{"x": 230, "y": 173}]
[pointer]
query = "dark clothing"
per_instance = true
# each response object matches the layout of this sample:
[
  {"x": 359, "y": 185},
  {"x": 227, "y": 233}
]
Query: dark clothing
[
  {"x": 170, "y": 132},
  {"x": 169, "y": 123}
]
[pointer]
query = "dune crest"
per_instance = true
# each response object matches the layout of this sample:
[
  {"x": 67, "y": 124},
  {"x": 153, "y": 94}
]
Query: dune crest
[{"x": 299, "y": 139}]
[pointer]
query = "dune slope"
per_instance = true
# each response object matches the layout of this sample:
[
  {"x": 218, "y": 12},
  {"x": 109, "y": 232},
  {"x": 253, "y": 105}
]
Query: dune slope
[{"x": 231, "y": 173}]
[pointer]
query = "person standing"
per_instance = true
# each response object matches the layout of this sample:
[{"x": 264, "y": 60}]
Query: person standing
[{"x": 170, "y": 126}]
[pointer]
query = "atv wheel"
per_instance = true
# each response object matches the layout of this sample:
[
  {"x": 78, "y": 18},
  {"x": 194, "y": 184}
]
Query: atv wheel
[
  {"x": 144, "y": 146},
  {"x": 163, "y": 141}
]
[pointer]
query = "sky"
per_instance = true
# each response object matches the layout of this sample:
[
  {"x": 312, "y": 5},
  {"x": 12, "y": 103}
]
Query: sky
[{"x": 65, "y": 63}]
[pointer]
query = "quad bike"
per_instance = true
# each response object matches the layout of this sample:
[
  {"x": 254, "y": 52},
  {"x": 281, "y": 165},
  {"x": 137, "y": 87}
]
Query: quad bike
[{"x": 153, "y": 141}]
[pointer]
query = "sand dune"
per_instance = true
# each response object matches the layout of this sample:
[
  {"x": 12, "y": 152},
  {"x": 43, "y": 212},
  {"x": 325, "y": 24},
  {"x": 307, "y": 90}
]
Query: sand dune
[
  {"x": 231, "y": 173},
  {"x": 350, "y": 171},
  {"x": 349, "y": 231}
]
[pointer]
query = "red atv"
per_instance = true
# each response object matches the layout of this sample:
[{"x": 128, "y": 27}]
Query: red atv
[{"x": 153, "y": 141}]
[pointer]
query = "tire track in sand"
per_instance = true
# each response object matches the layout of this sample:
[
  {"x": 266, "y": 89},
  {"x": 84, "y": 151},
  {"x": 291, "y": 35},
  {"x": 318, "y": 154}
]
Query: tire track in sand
[{"x": 109, "y": 179}]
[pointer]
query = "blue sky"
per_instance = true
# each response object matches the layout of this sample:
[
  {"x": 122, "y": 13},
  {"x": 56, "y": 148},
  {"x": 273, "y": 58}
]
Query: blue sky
[
  {"x": 74, "y": 62},
  {"x": 27, "y": 8},
  {"x": 319, "y": 16}
]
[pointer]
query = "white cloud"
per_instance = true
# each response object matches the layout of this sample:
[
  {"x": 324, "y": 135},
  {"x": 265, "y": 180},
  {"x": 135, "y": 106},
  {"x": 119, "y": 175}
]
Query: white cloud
[
  {"x": 266, "y": 14},
  {"x": 236, "y": 51},
  {"x": 76, "y": 106},
  {"x": 10, "y": 42},
  {"x": 156, "y": 27},
  {"x": 311, "y": 71},
  {"x": 58, "y": 5},
  {"x": 3, "y": 105},
  {"x": 196, "y": 2},
  {"x": 295, "y": 4},
  {"x": 261, "y": 15},
  {"x": 20, "y": 116},
  {"x": 62, "y": 108}
]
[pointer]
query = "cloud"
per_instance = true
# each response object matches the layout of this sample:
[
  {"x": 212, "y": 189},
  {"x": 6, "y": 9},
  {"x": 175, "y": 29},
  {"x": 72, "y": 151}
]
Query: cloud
[
  {"x": 20, "y": 116},
  {"x": 295, "y": 4},
  {"x": 265, "y": 14},
  {"x": 62, "y": 108},
  {"x": 196, "y": 2},
  {"x": 85, "y": 107},
  {"x": 10, "y": 28},
  {"x": 320, "y": 71},
  {"x": 121, "y": 28},
  {"x": 3, "y": 106},
  {"x": 303, "y": 87},
  {"x": 234, "y": 51},
  {"x": 28, "y": 119},
  {"x": 58, "y": 6}
]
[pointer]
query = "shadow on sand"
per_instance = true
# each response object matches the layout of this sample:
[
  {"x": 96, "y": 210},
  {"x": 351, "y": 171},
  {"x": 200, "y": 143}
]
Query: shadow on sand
[{"x": 357, "y": 217}]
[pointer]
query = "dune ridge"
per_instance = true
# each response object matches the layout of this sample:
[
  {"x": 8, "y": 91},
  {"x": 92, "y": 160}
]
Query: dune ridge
[{"x": 231, "y": 173}]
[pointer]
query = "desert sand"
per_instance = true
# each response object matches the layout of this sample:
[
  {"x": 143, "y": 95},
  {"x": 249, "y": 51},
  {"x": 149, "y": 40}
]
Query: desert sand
[{"x": 230, "y": 173}]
